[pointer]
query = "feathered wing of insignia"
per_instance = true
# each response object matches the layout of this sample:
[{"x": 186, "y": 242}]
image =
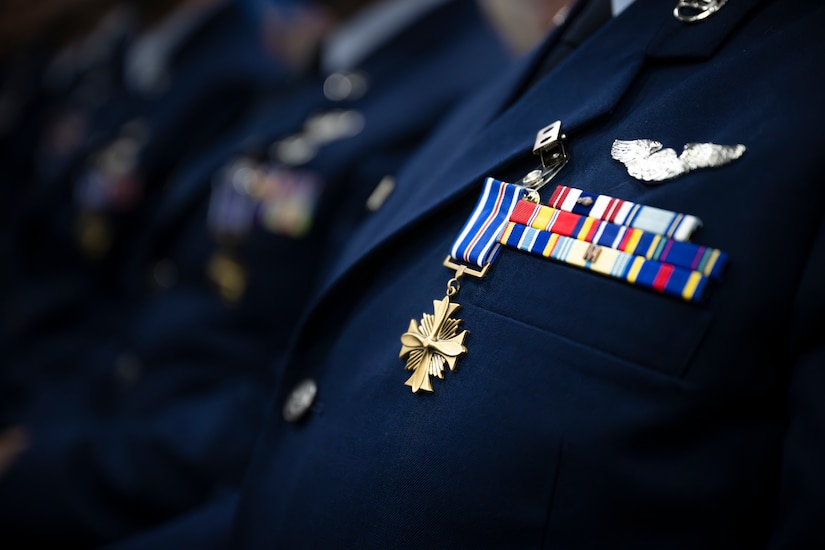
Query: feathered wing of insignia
[
  {"x": 710, "y": 155},
  {"x": 646, "y": 160}
]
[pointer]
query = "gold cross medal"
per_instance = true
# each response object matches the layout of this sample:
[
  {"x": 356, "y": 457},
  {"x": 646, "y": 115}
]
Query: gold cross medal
[{"x": 437, "y": 340}]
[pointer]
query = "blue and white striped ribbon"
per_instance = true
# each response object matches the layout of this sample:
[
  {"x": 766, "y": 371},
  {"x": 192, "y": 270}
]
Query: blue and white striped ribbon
[{"x": 477, "y": 243}]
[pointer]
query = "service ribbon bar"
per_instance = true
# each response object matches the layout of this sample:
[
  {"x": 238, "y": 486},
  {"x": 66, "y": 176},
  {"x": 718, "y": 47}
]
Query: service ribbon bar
[
  {"x": 478, "y": 241},
  {"x": 709, "y": 261},
  {"x": 231, "y": 212},
  {"x": 637, "y": 270},
  {"x": 603, "y": 207}
]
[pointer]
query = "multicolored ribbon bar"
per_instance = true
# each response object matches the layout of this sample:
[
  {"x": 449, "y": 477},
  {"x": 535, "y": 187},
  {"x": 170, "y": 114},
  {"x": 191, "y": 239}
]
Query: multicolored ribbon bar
[
  {"x": 662, "y": 277},
  {"x": 603, "y": 207},
  {"x": 249, "y": 194},
  {"x": 709, "y": 261},
  {"x": 232, "y": 211},
  {"x": 478, "y": 241}
]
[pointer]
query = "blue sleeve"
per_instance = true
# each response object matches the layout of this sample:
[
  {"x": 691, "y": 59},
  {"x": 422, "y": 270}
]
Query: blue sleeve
[{"x": 92, "y": 478}]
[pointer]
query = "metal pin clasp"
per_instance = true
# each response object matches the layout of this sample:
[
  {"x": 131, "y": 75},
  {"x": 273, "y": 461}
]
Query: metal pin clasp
[
  {"x": 549, "y": 146},
  {"x": 690, "y": 11},
  {"x": 453, "y": 286}
]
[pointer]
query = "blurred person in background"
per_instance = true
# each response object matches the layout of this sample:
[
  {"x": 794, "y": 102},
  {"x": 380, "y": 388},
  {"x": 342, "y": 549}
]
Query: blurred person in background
[
  {"x": 153, "y": 401},
  {"x": 53, "y": 54},
  {"x": 176, "y": 75},
  {"x": 524, "y": 23},
  {"x": 59, "y": 66},
  {"x": 44, "y": 50},
  {"x": 186, "y": 72}
]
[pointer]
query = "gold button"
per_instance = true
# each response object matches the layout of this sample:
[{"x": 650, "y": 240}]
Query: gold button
[{"x": 228, "y": 275}]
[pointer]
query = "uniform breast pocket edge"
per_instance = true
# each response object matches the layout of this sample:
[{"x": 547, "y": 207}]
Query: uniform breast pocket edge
[{"x": 612, "y": 317}]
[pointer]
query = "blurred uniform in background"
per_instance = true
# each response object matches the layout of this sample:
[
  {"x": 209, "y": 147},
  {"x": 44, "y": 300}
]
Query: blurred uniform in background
[
  {"x": 183, "y": 78},
  {"x": 173, "y": 82},
  {"x": 60, "y": 66},
  {"x": 45, "y": 50},
  {"x": 201, "y": 259},
  {"x": 59, "y": 59}
]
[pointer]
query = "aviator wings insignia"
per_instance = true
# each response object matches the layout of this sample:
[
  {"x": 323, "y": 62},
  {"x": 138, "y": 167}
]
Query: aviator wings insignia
[{"x": 648, "y": 161}]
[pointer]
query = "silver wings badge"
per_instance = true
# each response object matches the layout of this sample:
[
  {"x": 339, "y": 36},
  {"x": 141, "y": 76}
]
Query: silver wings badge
[{"x": 646, "y": 159}]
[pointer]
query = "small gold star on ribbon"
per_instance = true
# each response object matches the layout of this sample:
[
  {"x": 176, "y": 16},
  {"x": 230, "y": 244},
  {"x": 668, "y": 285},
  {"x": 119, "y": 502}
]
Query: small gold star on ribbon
[{"x": 433, "y": 344}]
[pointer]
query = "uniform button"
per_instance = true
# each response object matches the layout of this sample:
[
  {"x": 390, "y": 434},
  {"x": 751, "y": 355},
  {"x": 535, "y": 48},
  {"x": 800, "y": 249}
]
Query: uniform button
[
  {"x": 165, "y": 273},
  {"x": 341, "y": 86},
  {"x": 381, "y": 193},
  {"x": 300, "y": 400},
  {"x": 295, "y": 150},
  {"x": 128, "y": 368}
]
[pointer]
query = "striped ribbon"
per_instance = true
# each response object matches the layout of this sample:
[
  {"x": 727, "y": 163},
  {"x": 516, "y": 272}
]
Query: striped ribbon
[
  {"x": 709, "y": 261},
  {"x": 642, "y": 245},
  {"x": 672, "y": 225},
  {"x": 232, "y": 212},
  {"x": 637, "y": 270},
  {"x": 478, "y": 241},
  {"x": 248, "y": 195}
]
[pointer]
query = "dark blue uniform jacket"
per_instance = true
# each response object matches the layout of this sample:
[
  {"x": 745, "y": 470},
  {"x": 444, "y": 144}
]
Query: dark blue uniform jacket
[{"x": 587, "y": 412}]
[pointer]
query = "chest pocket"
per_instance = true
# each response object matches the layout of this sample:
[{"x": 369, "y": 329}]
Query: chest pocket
[{"x": 636, "y": 325}]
